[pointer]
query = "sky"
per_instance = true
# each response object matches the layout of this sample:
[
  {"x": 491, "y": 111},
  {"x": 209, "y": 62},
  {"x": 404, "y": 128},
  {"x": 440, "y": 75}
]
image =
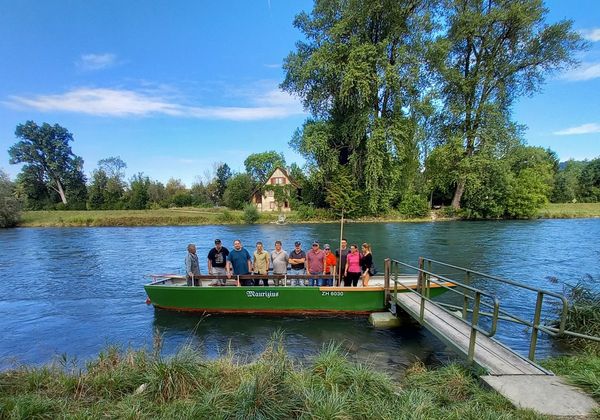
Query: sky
[{"x": 174, "y": 87}]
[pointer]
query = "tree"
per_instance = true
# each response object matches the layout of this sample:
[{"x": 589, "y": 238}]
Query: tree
[
  {"x": 10, "y": 206},
  {"x": 238, "y": 191},
  {"x": 360, "y": 74},
  {"x": 223, "y": 175},
  {"x": 139, "y": 196},
  {"x": 493, "y": 52},
  {"x": 589, "y": 181},
  {"x": 566, "y": 184},
  {"x": 46, "y": 152},
  {"x": 260, "y": 165},
  {"x": 97, "y": 189}
]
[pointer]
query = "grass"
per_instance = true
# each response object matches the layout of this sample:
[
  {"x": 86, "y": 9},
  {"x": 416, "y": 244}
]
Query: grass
[
  {"x": 191, "y": 216},
  {"x": 569, "y": 210},
  {"x": 137, "y": 384},
  {"x": 159, "y": 217}
]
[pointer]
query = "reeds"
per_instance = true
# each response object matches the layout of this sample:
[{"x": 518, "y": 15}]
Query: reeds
[{"x": 138, "y": 384}]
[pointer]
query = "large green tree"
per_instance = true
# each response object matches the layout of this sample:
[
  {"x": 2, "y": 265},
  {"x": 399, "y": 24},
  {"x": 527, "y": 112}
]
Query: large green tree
[
  {"x": 260, "y": 165},
  {"x": 360, "y": 74},
  {"x": 493, "y": 52},
  {"x": 46, "y": 153}
]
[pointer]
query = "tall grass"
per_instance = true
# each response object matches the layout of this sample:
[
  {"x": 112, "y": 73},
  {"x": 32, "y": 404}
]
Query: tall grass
[
  {"x": 138, "y": 384},
  {"x": 583, "y": 316}
]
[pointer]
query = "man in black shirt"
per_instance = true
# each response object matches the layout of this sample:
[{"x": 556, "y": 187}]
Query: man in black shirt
[{"x": 217, "y": 259}]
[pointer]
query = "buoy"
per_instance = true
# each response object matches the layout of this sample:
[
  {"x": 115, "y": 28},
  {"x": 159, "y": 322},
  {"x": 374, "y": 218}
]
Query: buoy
[{"x": 148, "y": 301}]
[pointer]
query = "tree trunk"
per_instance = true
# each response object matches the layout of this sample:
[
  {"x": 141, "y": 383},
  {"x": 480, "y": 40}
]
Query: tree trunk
[
  {"x": 61, "y": 192},
  {"x": 458, "y": 193}
]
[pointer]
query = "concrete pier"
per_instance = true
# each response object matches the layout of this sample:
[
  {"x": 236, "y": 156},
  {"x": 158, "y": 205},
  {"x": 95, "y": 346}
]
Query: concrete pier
[{"x": 384, "y": 320}]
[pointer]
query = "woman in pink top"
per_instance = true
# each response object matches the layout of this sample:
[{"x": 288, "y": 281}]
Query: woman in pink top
[{"x": 353, "y": 271}]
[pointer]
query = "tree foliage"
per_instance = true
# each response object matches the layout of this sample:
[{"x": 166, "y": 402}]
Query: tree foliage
[
  {"x": 10, "y": 206},
  {"x": 494, "y": 52},
  {"x": 260, "y": 165},
  {"x": 359, "y": 74},
  {"x": 238, "y": 191},
  {"x": 48, "y": 160}
]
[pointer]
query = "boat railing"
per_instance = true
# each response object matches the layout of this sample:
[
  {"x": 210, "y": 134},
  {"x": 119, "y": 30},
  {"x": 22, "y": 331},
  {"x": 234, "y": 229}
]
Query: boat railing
[
  {"x": 472, "y": 298},
  {"x": 161, "y": 278}
]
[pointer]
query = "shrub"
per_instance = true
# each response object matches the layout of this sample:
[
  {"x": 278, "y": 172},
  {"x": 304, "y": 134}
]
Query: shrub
[
  {"x": 584, "y": 313},
  {"x": 251, "y": 214},
  {"x": 413, "y": 206},
  {"x": 10, "y": 206}
]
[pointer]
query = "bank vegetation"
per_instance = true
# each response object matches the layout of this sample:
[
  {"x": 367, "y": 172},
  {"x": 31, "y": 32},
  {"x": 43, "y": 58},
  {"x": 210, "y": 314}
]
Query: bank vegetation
[{"x": 139, "y": 384}]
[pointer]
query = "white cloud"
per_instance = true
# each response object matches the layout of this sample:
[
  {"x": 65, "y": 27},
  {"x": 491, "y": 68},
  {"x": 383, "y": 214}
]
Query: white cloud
[
  {"x": 581, "y": 129},
  {"x": 96, "y": 61},
  {"x": 591, "y": 34},
  {"x": 269, "y": 104},
  {"x": 586, "y": 71}
]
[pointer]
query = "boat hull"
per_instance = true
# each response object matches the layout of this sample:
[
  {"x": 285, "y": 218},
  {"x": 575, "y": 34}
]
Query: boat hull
[{"x": 271, "y": 300}]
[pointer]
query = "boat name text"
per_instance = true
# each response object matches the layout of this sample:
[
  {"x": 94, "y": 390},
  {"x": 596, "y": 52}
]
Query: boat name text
[{"x": 268, "y": 295}]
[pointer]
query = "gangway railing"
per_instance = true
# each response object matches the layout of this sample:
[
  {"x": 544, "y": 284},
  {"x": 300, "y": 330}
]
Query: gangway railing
[
  {"x": 424, "y": 282},
  {"x": 425, "y": 270}
]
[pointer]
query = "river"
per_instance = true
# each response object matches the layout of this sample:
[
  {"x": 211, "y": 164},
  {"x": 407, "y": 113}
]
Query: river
[{"x": 73, "y": 291}]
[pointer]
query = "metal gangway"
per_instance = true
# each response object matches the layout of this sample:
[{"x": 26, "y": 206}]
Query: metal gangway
[
  {"x": 525, "y": 383},
  {"x": 460, "y": 326}
]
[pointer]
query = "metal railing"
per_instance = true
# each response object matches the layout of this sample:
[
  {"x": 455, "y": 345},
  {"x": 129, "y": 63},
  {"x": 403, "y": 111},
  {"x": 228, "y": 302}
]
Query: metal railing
[
  {"x": 426, "y": 265},
  {"x": 424, "y": 283}
]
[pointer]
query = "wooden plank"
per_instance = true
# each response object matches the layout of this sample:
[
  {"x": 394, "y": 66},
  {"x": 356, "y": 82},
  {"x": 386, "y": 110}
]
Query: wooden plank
[{"x": 489, "y": 353}]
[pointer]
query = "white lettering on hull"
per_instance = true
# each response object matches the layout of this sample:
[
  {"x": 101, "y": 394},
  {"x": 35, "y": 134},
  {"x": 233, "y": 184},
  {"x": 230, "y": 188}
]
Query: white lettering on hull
[{"x": 267, "y": 294}]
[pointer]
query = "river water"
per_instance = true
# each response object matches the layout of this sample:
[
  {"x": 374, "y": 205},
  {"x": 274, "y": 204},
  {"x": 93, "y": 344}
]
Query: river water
[{"x": 73, "y": 291}]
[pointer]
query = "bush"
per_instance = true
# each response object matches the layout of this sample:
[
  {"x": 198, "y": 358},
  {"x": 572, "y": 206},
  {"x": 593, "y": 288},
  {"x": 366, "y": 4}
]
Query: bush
[
  {"x": 414, "y": 206},
  {"x": 251, "y": 214},
  {"x": 584, "y": 314},
  {"x": 10, "y": 206}
]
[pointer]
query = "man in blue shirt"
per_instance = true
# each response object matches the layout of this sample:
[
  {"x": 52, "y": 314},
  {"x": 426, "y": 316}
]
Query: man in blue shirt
[{"x": 239, "y": 262}]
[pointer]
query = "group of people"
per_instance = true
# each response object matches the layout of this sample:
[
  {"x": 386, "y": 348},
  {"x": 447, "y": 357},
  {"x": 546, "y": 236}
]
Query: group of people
[{"x": 322, "y": 266}]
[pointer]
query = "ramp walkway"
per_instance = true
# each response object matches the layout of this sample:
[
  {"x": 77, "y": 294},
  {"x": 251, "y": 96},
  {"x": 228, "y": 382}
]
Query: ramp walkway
[{"x": 519, "y": 379}]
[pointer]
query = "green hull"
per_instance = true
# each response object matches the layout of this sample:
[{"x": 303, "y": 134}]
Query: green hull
[{"x": 289, "y": 299}]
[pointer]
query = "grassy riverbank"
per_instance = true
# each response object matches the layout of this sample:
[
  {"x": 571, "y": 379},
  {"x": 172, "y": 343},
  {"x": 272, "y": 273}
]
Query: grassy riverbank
[
  {"x": 136, "y": 384},
  {"x": 569, "y": 210},
  {"x": 191, "y": 216}
]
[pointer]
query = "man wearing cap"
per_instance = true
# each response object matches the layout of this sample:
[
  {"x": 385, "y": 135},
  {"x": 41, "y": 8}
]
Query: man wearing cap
[
  {"x": 217, "y": 260},
  {"x": 330, "y": 263},
  {"x": 315, "y": 264},
  {"x": 297, "y": 263},
  {"x": 279, "y": 260}
]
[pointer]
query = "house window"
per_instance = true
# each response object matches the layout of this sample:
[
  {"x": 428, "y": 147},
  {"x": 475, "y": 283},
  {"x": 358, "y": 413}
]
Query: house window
[
  {"x": 272, "y": 205},
  {"x": 278, "y": 181}
]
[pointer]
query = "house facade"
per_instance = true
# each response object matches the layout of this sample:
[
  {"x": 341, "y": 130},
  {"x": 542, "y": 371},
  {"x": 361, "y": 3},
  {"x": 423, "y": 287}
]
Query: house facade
[{"x": 264, "y": 198}]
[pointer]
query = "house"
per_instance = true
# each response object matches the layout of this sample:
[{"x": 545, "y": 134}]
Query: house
[{"x": 265, "y": 197}]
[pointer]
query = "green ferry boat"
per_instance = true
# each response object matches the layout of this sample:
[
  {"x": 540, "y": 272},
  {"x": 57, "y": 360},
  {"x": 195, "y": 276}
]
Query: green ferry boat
[{"x": 172, "y": 292}]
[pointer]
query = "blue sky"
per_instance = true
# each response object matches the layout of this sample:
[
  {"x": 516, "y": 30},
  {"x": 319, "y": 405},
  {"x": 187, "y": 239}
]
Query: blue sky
[{"x": 172, "y": 87}]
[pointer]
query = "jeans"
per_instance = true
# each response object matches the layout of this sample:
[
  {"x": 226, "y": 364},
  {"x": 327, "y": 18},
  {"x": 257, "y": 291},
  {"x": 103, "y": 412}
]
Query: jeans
[
  {"x": 301, "y": 272},
  {"x": 319, "y": 281}
]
